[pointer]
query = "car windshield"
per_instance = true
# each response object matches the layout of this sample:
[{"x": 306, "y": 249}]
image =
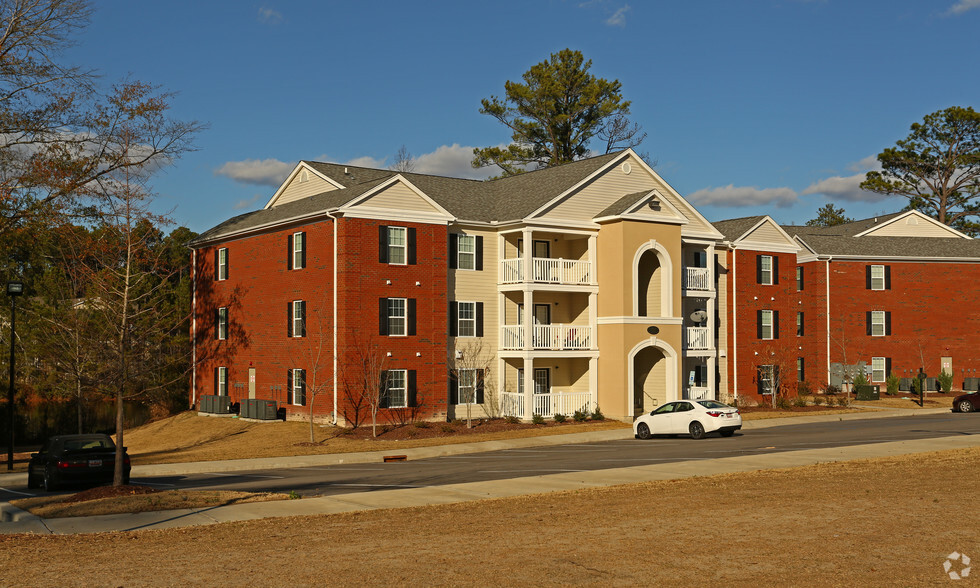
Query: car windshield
[
  {"x": 712, "y": 404},
  {"x": 83, "y": 444}
]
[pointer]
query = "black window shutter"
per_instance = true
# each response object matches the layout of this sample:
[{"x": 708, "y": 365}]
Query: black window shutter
[
  {"x": 867, "y": 317},
  {"x": 302, "y": 251},
  {"x": 411, "y": 246},
  {"x": 802, "y": 277},
  {"x": 453, "y": 388},
  {"x": 775, "y": 324},
  {"x": 758, "y": 269},
  {"x": 216, "y": 389},
  {"x": 802, "y": 375},
  {"x": 411, "y": 316},
  {"x": 453, "y": 318},
  {"x": 289, "y": 319},
  {"x": 412, "y": 394},
  {"x": 479, "y": 253},
  {"x": 888, "y": 367},
  {"x": 382, "y": 316},
  {"x": 479, "y": 386},
  {"x": 383, "y": 244},
  {"x": 888, "y": 277},
  {"x": 289, "y": 386},
  {"x": 289, "y": 251},
  {"x": 227, "y": 263},
  {"x": 888, "y": 322},
  {"x": 775, "y": 269},
  {"x": 383, "y": 390},
  {"x": 758, "y": 324},
  {"x": 217, "y": 323},
  {"x": 302, "y": 310},
  {"x": 479, "y": 319},
  {"x": 775, "y": 378},
  {"x": 217, "y": 261},
  {"x": 867, "y": 277},
  {"x": 302, "y": 388},
  {"x": 453, "y": 250}
]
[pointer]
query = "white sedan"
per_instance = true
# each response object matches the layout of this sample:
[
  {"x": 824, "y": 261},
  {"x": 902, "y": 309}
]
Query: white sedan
[{"x": 697, "y": 417}]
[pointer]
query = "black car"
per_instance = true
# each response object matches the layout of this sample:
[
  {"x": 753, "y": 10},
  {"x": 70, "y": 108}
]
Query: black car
[
  {"x": 75, "y": 459},
  {"x": 967, "y": 402}
]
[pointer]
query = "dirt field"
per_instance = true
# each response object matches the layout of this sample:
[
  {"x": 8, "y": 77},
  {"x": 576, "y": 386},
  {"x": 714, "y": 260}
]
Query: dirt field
[{"x": 878, "y": 522}]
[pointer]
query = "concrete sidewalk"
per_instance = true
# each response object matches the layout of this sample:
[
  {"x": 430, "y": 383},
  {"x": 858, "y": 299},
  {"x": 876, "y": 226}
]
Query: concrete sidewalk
[{"x": 18, "y": 521}]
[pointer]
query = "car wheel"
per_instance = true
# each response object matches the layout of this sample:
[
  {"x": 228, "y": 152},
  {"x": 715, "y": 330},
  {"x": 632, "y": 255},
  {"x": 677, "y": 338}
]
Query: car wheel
[
  {"x": 965, "y": 406},
  {"x": 727, "y": 433},
  {"x": 697, "y": 430},
  {"x": 49, "y": 481},
  {"x": 643, "y": 431}
]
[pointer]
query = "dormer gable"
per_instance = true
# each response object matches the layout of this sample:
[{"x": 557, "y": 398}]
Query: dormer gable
[
  {"x": 912, "y": 224},
  {"x": 302, "y": 182},
  {"x": 396, "y": 199},
  {"x": 767, "y": 235}
]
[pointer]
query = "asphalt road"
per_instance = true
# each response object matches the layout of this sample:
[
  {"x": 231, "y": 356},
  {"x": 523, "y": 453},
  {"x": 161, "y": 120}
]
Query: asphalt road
[{"x": 517, "y": 463}]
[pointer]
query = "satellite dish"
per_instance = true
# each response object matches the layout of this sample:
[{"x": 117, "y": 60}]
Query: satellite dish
[{"x": 699, "y": 316}]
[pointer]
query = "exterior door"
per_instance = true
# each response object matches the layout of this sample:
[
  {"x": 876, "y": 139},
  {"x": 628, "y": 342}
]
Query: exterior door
[
  {"x": 946, "y": 365},
  {"x": 542, "y": 389},
  {"x": 542, "y": 317},
  {"x": 251, "y": 382}
]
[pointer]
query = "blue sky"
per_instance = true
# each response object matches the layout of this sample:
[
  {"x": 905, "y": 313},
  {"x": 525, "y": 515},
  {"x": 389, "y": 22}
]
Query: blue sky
[{"x": 754, "y": 107}]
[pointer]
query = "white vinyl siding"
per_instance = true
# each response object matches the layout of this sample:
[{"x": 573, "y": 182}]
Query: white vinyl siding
[
  {"x": 399, "y": 197},
  {"x": 298, "y": 189}
]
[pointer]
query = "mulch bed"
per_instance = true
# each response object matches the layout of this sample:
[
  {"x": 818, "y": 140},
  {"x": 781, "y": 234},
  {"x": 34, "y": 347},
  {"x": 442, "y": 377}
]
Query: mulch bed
[
  {"x": 109, "y": 492},
  {"x": 457, "y": 428}
]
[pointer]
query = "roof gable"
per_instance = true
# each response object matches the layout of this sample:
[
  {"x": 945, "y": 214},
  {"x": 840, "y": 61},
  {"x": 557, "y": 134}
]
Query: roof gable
[
  {"x": 912, "y": 224},
  {"x": 304, "y": 181},
  {"x": 396, "y": 199},
  {"x": 766, "y": 235}
]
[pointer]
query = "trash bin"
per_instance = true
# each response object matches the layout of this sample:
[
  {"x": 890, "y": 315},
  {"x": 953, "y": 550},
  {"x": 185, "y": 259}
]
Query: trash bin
[{"x": 868, "y": 392}]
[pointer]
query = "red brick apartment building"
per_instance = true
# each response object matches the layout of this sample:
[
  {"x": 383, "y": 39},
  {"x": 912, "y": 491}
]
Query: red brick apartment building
[{"x": 894, "y": 294}]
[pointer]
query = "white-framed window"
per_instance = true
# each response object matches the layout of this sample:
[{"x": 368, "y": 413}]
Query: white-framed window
[
  {"x": 397, "y": 388},
  {"x": 222, "y": 326},
  {"x": 765, "y": 270},
  {"x": 223, "y": 263},
  {"x": 397, "y": 245},
  {"x": 766, "y": 377},
  {"x": 221, "y": 381},
  {"x": 877, "y": 277},
  {"x": 800, "y": 369},
  {"x": 799, "y": 278},
  {"x": 467, "y": 386},
  {"x": 297, "y": 318},
  {"x": 799, "y": 324},
  {"x": 877, "y": 323},
  {"x": 467, "y": 319},
  {"x": 466, "y": 255},
  {"x": 766, "y": 326},
  {"x": 299, "y": 250},
  {"x": 297, "y": 387},
  {"x": 397, "y": 317},
  {"x": 878, "y": 369}
]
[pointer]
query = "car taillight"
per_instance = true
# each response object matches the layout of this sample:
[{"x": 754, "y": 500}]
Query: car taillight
[
  {"x": 126, "y": 460},
  {"x": 714, "y": 413},
  {"x": 72, "y": 463}
]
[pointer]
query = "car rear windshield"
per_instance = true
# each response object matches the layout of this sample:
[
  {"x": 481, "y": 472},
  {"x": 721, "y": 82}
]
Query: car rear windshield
[
  {"x": 88, "y": 444},
  {"x": 712, "y": 404}
]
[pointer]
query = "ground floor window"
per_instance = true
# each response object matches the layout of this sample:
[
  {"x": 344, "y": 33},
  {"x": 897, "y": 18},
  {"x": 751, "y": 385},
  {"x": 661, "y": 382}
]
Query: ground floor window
[
  {"x": 878, "y": 369},
  {"x": 467, "y": 386},
  {"x": 296, "y": 386},
  {"x": 767, "y": 378},
  {"x": 396, "y": 389}
]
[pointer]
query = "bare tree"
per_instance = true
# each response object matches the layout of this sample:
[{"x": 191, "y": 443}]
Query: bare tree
[
  {"x": 319, "y": 361},
  {"x": 404, "y": 162},
  {"x": 365, "y": 382},
  {"x": 619, "y": 133},
  {"x": 780, "y": 363},
  {"x": 470, "y": 368}
]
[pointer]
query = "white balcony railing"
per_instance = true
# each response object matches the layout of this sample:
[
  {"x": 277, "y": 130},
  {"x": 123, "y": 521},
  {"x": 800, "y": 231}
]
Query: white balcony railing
[
  {"x": 697, "y": 393},
  {"x": 697, "y": 338},
  {"x": 548, "y": 270},
  {"x": 546, "y": 405},
  {"x": 697, "y": 278},
  {"x": 556, "y": 337}
]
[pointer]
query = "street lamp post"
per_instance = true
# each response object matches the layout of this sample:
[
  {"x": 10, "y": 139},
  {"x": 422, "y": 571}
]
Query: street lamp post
[{"x": 14, "y": 289}]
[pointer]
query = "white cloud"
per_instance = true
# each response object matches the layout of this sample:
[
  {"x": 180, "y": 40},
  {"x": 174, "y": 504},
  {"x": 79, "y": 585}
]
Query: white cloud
[
  {"x": 841, "y": 188},
  {"x": 963, "y": 6},
  {"x": 265, "y": 172},
  {"x": 451, "y": 160},
  {"x": 732, "y": 195},
  {"x": 367, "y": 161},
  {"x": 250, "y": 203},
  {"x": 269, "y": 16},
  {"x": 867, "y": 164},
  {"x": 618, "y": 19}
]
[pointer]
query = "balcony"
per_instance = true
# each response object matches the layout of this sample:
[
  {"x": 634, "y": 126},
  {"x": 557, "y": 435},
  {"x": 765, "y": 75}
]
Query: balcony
[
  {"x": 553, "y": 337},
  {"x": 697, "y": 338},
  {"x": 697, "y": 393},
  {"x": 546, "y": 405},
  {"x": 697, "y": 278},
  {"x": 548, "y": 271}
]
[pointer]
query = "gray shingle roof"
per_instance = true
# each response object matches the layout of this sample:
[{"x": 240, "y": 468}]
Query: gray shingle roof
[
  {"x": 891, "y": 246},
  {"x": 620, "y": 206},
  {"x": 736, "y": 227},
  {"x": 502, "y": 199}
]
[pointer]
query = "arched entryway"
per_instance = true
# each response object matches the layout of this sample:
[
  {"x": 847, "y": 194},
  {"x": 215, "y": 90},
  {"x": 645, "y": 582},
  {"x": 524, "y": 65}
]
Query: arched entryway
[
  {"x": 652, "y": 375},
  {"x": 652, "y": 284}
]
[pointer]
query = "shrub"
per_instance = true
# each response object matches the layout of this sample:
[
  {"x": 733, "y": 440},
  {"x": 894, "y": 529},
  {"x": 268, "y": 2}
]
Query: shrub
[
  {"x": 579, "y": 416},
  {"x": 560, "y": 418},
  {"x": 799, "y": 401},
  {"x": 817, "y": 400},
  {"x": 860, "y": 380},
  {"x": 597, "y": 414},
  {"x": 537, "y": 419},
  {"x": 891, "y": 384},
  {"x": 421, "y": 424},
  {"x": 945, "y": 380},
  {"x": 830, "y": 390},
  {"x": 512, "y": 420},
  {"x": 803, "y": 388},
  {"x": 782, "y": 402},
  {"x": 448, "y": 428},
  {"x": 294, "y": 495}
]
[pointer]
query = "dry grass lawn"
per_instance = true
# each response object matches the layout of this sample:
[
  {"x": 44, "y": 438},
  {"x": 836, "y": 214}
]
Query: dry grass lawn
[
  {"x": 53, "y": 507},
  {"x": 882, "y": 522}
]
